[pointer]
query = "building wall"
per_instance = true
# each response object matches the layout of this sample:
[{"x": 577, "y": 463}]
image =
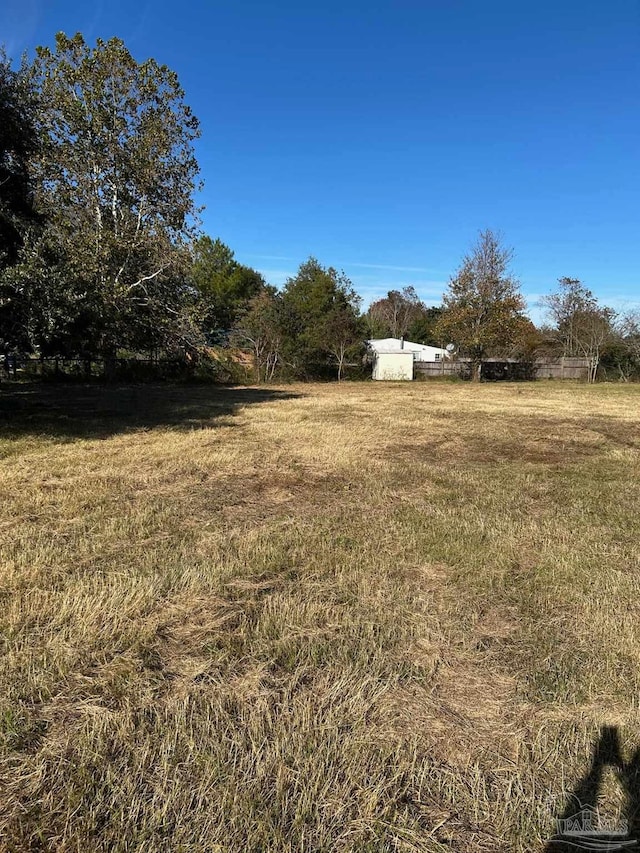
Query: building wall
[
  {"x": 393, "y": 366},
  {"x": 432, "y": 355}
]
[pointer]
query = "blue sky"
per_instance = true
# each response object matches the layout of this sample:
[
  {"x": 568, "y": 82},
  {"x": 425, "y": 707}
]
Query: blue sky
[{"x": 381, "y": 136}]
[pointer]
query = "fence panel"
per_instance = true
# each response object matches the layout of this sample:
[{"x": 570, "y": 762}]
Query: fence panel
[
  {"x": 562, "y": 368},
  {"x": 430, "y": 369},
  {"x": 542, "y": 368}
]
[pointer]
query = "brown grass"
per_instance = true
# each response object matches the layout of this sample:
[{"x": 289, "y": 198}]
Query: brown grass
[{"x": 367, "y": 617}]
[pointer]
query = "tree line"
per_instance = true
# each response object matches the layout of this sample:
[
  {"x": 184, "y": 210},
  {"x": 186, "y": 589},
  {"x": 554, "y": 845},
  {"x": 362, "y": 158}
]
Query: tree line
[{"x": 101, "y": 252}]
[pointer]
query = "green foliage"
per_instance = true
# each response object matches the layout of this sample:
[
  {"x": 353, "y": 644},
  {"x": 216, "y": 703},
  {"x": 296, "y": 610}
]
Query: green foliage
[
  {"x": 423, "y": 328},
  {"x": 224, "y": 286},
  {"x": 322, "y": 318},
  {"x": 115, "y": 175},
  {"x": 18, "y": 144}
]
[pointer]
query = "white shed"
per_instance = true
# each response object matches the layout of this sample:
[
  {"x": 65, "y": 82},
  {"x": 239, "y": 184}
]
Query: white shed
[{"x": 396, "y": 365}]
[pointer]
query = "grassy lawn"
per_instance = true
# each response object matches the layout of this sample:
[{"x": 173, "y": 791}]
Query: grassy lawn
[{"x": 368, "y": 617}]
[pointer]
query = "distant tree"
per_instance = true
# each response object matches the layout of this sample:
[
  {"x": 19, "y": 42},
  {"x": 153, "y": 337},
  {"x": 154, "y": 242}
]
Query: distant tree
[
  {"x": 527, "y": 344},
  {"x": 423, "y": 328},
  {"x": 18, "y": 144},
  {"x": 342, "y": 332},
  {"x": 625, "y": 354},
  {"x": 581, "y": 326},
  {"x": 322, "y": 310},
  {"x": 116, "y": 177},
  {"x": 566, "y": 306},
  {"x": 224, "y": 286},
  {"x": 631, "y": 332},
  {"x": 596, "y": 333},
  {"x": 393, "y": 316},
  {"x": 483, "y": 307},
  {"x": 261, "y": 327}
]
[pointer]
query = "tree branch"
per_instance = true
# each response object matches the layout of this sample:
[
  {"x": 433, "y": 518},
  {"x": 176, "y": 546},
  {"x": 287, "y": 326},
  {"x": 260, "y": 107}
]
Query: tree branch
[{"x": 144, "y": 278}]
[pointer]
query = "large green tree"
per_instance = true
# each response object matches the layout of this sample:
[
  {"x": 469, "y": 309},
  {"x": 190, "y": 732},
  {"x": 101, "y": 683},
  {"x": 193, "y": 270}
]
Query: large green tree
[
  {"x": 224, "y": 286},
  {"x": 117, "y": 175},
  {"x": 483, "y": 307},
  {"x": 323, "y": 325}
]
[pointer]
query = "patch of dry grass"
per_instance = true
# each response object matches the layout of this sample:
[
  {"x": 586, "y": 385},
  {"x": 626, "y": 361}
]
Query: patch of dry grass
[{"x": 318, "y": 618}]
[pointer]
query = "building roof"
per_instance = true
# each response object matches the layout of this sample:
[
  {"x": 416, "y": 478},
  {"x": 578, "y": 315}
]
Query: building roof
[{"x": 398, "y": 345}]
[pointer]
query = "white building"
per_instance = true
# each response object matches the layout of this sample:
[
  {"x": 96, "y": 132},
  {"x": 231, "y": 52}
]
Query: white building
[
  {"x": 421, "y": 352},
  {"x": 394, "y": 365}
]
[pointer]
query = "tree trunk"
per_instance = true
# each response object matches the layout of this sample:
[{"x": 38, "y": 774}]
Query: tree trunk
[{"x": 273, "y": 365}]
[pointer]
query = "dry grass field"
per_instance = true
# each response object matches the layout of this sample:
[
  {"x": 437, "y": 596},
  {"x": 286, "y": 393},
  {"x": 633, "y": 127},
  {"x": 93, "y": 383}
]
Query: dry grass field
[{"x": 356, "y": 617}]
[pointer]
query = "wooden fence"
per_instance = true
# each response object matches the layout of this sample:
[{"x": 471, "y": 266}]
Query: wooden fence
[
  {"x": 562, "y": 368},
  {"x": 141, "y": 369},
  {"x": 494, "y": 368},
  {"x": 433, "y": 369}
]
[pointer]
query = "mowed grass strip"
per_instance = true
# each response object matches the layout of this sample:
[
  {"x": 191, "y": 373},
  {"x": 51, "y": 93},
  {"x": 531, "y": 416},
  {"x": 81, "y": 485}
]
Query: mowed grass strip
[{"x": 316, "y": 618}]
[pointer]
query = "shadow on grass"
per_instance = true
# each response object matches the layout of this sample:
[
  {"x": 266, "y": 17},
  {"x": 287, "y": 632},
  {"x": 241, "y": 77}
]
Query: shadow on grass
[
  {"x": 581, "y": 826},
  {"x": 93, "y": 411}
]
